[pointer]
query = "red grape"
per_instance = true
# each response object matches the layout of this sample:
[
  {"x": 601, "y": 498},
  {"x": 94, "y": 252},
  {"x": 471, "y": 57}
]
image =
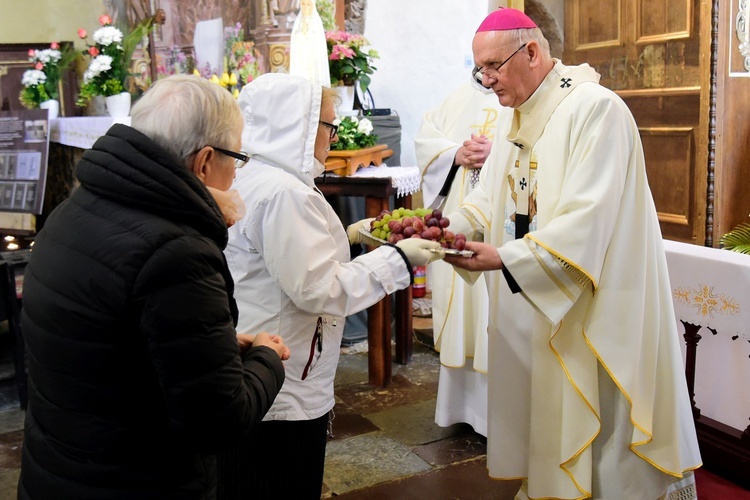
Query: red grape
[{"x": 429, "y": 225}]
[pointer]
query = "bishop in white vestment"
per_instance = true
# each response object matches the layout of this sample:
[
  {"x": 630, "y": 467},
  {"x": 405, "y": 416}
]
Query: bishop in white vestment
[{"x": 587, "y": 395}]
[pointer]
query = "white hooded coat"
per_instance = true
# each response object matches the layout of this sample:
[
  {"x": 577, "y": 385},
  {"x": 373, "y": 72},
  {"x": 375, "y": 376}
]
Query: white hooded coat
[{"x": 289, "y": 255}]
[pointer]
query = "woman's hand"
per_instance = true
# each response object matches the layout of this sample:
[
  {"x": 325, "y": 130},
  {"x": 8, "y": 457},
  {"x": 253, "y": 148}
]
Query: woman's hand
[
  {"x": 275, "y": 342},
  {"x": 231, "y": 204}
]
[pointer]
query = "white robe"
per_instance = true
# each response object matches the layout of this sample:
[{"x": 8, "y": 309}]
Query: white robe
[
  {"x": 459, "y": 310},
  {"x": 289, "y": 254},
  {"x": 594, "y": 293}
]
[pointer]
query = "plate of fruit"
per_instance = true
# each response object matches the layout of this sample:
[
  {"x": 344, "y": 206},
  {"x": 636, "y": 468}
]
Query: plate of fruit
[{"x": 401, "y": 223}]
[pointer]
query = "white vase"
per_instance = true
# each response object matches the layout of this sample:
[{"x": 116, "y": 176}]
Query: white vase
[
  {"x": 346, "y": 98},
  {"x": 118, "y": 105},
  {"x": 53, "y": 108}
]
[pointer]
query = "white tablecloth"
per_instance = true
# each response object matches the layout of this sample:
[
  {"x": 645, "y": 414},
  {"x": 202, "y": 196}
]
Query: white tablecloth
[
  {"x": 711, "y": 288},
  {"x": 82, "y": 131},
  {"x": 406, "y": 180}
]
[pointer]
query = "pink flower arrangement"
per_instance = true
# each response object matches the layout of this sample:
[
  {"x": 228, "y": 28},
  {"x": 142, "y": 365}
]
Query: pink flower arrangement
[{"x": 347, "y": 61}]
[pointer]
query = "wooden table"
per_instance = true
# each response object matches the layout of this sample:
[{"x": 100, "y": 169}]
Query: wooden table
[{"x": 377, "y": 193}]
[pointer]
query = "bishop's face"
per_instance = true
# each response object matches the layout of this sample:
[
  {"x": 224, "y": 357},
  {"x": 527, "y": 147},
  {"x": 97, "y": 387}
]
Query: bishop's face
[{"x": 505, "y": 67}]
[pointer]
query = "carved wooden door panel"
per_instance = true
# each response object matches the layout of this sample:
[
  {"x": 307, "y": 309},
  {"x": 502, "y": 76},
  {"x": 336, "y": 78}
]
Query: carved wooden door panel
[{"x": 656, "y": 56}]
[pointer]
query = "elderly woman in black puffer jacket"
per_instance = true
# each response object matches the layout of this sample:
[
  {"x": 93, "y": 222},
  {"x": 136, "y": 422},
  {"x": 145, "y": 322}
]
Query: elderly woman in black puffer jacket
[{"x": 136, "y": 378}]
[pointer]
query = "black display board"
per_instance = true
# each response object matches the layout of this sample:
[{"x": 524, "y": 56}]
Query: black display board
[{"x": 24, "y": 149}]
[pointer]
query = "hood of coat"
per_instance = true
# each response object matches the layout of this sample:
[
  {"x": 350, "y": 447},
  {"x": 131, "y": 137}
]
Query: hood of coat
[
  {"x": 281, "y": 114},
  {"x": 128, "y": 168}
]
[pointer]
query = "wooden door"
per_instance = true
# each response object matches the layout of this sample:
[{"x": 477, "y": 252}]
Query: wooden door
[{"x": 656, "y": 56}]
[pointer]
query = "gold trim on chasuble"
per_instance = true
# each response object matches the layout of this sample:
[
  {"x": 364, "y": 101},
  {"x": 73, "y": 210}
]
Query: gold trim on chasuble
[{"x": 632, "y": 446}]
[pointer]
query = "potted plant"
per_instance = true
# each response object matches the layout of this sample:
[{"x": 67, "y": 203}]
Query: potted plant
[
  {"x": 41, "y": 84},
  {"x": 354, "y": 133},
  {"x": 356, "y": 146},
  {"x": 348, "y": 63},
  {"x": 109, "y": 69}
]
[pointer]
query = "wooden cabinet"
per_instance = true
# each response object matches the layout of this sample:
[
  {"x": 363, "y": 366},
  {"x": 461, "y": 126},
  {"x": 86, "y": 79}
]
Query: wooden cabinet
[{"x": 669, "y": 61}]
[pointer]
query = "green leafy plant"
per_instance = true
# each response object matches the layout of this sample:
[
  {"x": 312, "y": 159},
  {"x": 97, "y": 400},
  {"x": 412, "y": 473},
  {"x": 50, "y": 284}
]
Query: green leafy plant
[
  {"x": 354, "y": 133},
  {"x": 42, "y": 83},
  {"x": 347, "y": 61},
  {"x": 109, "y": 69},
  {"x": 738, "y": 239}
]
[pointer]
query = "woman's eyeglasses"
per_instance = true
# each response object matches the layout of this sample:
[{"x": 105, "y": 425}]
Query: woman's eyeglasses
[
  {"x": 334, "y": 128},
  {"x": 240, "y": 159}
]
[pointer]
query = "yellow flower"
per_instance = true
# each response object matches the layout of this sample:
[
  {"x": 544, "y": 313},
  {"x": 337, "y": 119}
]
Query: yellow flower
[
  {"x": 236, "y": 93},
  {"x": 215, "y": 79},
  {"x": 224, "y": 80},
  {"x": 232, "y": 79},
  {"x": 196, "y": 72}
]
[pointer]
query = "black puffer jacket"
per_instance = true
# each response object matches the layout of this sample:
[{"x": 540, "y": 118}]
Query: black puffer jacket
[{"x": 135, "y": 377}]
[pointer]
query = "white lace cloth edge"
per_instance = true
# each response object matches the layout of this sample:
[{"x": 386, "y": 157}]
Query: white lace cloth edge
[{"x": 406, "y": 180}]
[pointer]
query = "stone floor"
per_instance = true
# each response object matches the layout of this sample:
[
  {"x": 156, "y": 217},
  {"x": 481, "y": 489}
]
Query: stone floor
[{"x": 387, "y": 445}]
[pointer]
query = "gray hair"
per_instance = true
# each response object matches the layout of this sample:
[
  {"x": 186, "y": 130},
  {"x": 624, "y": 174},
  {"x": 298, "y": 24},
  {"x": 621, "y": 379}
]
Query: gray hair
[
  {"x": 525, "y": 35},
  {"x": 183, "y": 113}
]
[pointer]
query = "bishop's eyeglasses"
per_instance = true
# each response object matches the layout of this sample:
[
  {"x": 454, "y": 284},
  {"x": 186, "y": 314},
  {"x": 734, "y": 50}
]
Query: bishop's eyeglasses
[{"x": 492, "y": 72}]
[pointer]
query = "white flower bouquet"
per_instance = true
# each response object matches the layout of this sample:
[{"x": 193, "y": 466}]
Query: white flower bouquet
[{"x": 354, "y": 133}]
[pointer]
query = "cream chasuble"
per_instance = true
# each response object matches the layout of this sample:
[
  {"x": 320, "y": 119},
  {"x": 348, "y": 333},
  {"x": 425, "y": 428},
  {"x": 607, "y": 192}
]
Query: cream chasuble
[{"x": 594, "y": 292}]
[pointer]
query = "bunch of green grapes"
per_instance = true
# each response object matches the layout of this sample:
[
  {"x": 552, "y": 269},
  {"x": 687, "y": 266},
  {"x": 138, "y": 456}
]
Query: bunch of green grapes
[{"x": 417, "y": 223}]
